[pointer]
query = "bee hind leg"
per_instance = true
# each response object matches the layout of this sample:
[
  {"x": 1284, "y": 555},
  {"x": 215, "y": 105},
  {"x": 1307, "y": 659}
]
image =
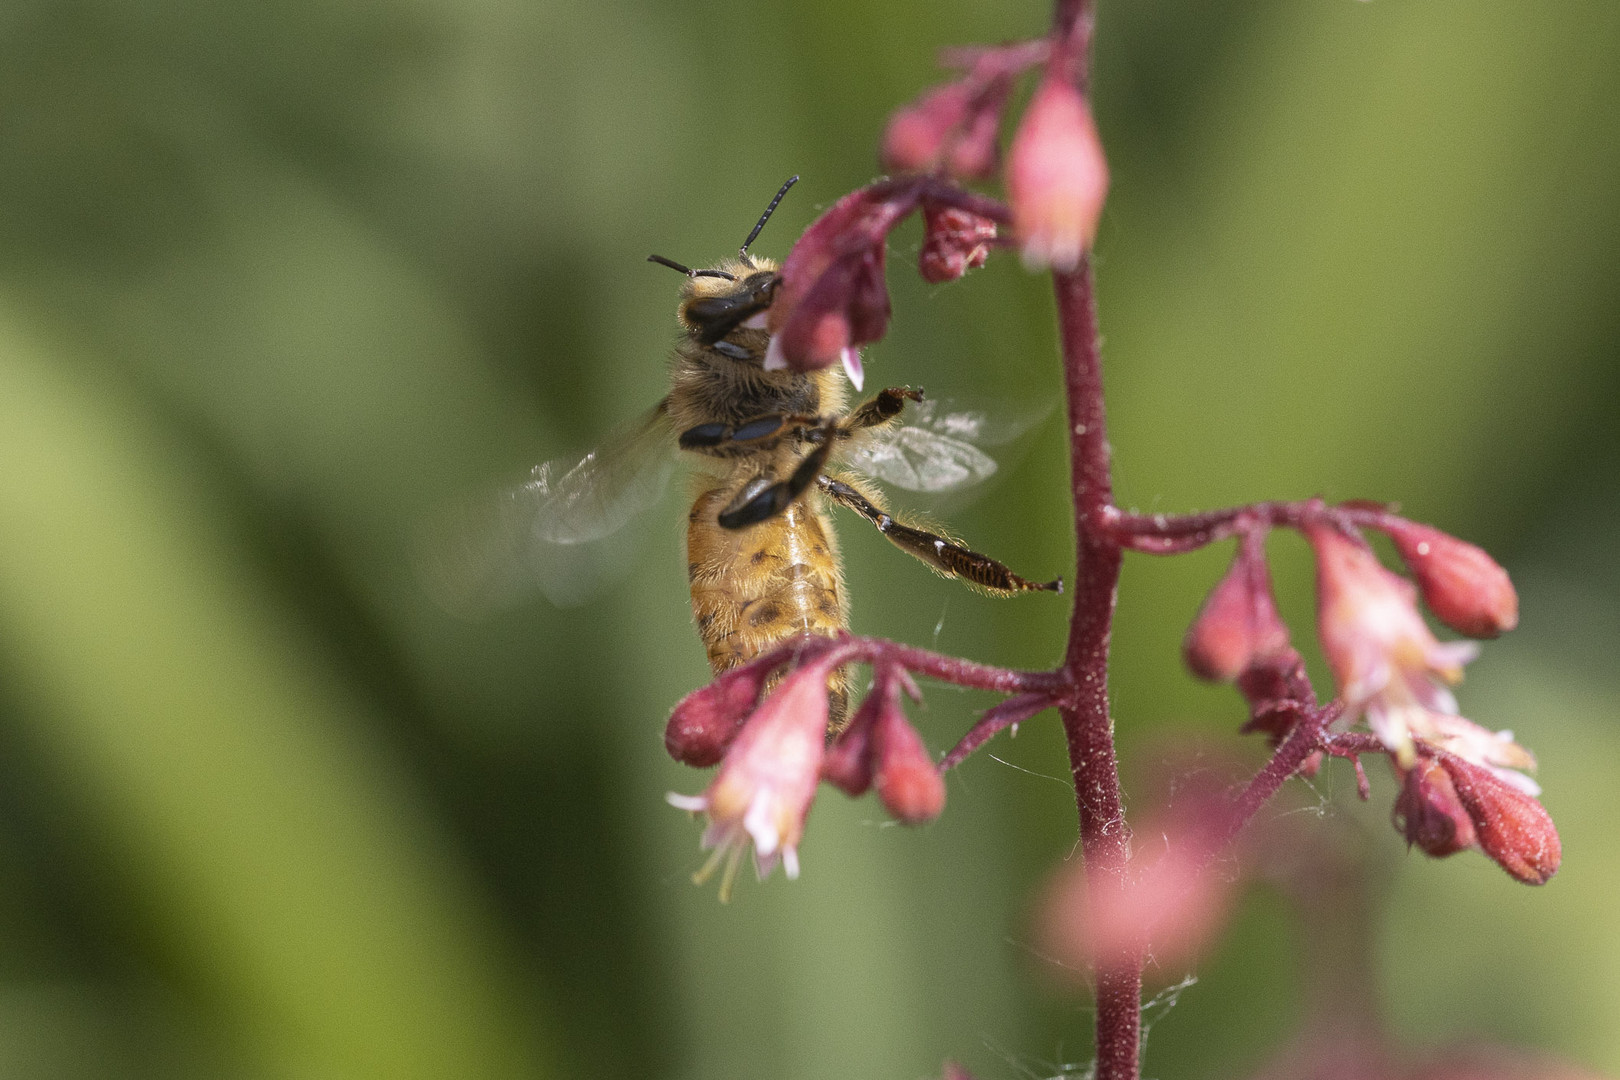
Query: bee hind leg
[{"x": 945, "y": 556}]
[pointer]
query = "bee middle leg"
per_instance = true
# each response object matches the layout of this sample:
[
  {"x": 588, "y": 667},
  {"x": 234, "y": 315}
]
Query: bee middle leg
[
  {"x": 764, "y": 496},
  {"x": 945, "y": 556}
]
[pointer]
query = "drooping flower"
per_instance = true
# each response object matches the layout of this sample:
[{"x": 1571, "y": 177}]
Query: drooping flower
[
  {"x": 702, "y": 726},
  {"x": 1510, "y": 826},
  {"x": 833, "y": 298},
  {"x": 919, "y": 133},
  {"x": 1429, "y": 814},
  {"x": 767, "y": 780},
  {"x": 1494, "y": 751},
  {"x": 1449, "y": 803},
  {"x": 907, "y": 780},
  {"x": 1388, "y": 665},
  {"x": 1057, "y": 177},
  {"x": 1238, "y": 626},
  {"x": 880, "y": 748}
]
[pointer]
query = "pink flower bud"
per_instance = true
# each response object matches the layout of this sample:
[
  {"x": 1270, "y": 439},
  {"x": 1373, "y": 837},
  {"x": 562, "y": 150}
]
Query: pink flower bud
[
  {"x": 917, "y": 135},
  {"x": 848, "y": 761},
  {"x": 954, "y": 242},
  {"x": 1462, "y": 585},
  {"x": 1057, "y": 177},
  {"x": 907, "y": 780},
  {"x": 1238, "y": 627},
  {"x": 1511, "y": 826},
  {"x": 706, "y": 720},
  {"x": 1429, "y": 814},
  {"x": 976, "y": 152}
]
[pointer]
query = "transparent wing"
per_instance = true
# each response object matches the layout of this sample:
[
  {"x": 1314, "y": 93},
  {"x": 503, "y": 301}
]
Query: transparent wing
[
  {"x": 556, "y": 534},
  {"x": 573, "y": 504},
  {"x": 936, "y": 447}
]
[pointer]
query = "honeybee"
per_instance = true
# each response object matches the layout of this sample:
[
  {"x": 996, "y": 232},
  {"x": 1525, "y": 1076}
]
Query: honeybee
[{"x": 770, "y": 451}]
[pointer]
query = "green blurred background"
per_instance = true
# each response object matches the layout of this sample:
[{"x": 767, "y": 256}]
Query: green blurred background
[{"x": 279, "y": 280}]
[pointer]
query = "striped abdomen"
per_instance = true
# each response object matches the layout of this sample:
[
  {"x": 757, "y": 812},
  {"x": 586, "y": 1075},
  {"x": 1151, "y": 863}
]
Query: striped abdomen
[{"x": 756, "y": 586}]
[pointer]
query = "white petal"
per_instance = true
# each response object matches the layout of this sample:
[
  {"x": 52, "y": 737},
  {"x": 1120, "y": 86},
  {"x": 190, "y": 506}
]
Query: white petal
[
  {"x": 790, "y": 863},
  {"x": 755, "y": 321},
  {"x": 694, "y": 803},
  {"x": 760, "y": 826},
  {"x": 1392, "y": 729},
  {"x": 774, "y": 360},
  {"x": 852, "y": 367},
  {"x": 1453, "y": 654}
]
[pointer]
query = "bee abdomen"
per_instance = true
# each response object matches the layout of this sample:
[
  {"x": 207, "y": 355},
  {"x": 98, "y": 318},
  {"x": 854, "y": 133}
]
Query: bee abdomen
[{"x": 757, "y": 586}]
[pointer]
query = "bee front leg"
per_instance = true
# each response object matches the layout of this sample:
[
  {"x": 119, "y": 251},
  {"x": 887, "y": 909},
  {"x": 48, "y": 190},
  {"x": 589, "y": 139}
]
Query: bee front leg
[
  {"x": 945, "y": 556},
  {"x": 753, "y": 434},
  {"x": 884, "y": 406}
]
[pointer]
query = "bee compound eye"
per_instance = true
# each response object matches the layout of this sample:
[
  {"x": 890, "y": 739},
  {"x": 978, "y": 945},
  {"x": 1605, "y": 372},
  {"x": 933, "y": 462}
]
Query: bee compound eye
[
  {"x": 703, "y": 435},
  {"x": 757, "y": 429}
]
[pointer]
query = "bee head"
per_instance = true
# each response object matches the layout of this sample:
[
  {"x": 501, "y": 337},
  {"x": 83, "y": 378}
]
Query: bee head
[{"x": 734, "y": 295}]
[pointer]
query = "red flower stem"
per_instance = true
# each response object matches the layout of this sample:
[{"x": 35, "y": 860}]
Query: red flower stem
[
  {"x": 1104, "y": 836},
  {"x": 1105, "y": 839},
  {"x": 1352, "y": 744},
  {"x": 1176, "y": 534},
  {"x": 948, "y": 194},
  {"x": 1304, "y": 740},
  {"x": 951, "y": 669},
  {"x": 1015, "y": 710},
  {"x": 996, "y": 59}
]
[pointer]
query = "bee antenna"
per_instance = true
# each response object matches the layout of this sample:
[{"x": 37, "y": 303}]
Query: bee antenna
[
  {"x": 687, "y": 270},
  {"x": 742, "y": 252},
  {"x": 671, "y": 263}
]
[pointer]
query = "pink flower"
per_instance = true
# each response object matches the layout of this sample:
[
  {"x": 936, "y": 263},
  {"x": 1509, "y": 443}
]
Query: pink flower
[
  {"x": 1057, "y": 177},
  {"x": 1448, "y": 804},
  {"x": 1494, "y": 751},
  {"x": 1170, "y": 907},
  {"x": 1388, "y": 665},
  {"x": 1462, "y": 585},
  {"x": 907, "y": 780},
  {"x": 954, "y": 126},
  {"x": 763, "y": 791},
  {"x": 917, "y": 135}
]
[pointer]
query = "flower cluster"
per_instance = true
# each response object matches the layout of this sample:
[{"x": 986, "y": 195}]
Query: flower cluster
[
  {"x": 1461, "y": 785},
  {"x": 773, "y": 750},
  {"x": 833, "y": 298}
]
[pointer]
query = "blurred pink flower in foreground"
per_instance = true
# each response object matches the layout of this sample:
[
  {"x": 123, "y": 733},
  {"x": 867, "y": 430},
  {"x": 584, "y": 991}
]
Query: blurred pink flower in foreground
[{"x": 1169, "y": 909}]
